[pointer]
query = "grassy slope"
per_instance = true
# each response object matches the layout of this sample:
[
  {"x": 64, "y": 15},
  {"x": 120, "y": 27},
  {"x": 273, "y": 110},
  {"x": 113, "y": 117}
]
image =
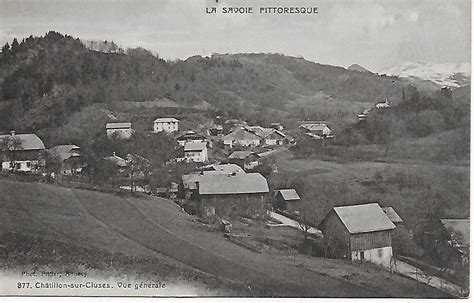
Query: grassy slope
[{"x": 153, "y": 229}]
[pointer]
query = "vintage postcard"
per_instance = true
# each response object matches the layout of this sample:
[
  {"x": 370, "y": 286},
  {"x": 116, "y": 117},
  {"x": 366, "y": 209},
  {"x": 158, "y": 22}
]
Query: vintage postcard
[{"x": 235, "y": 148}]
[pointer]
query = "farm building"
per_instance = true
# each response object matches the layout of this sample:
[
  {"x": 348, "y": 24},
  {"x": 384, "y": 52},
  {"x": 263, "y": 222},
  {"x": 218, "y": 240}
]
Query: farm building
[
  {"x": 123, "y": 130},
  {"x": 241, "y": 137},
  {"x": 287, "y": 199},
  {"x": 120, "y": 162},
  {"x": 320, "y": 129},
  {"x": 268, "y": 136},
  {"x": 165, "y": 124},
  {"x": 22, "y": 152},
  {"x": 190, "y": 137},
  {"x": 195, "y": 152},
  {"x": 393, "y": 215},
  {"x": 244, "y": 158},
  {"x": 359, "y": 232},
  {"x": 232, "y": 195},
  {"x": 69, "y": 157}
]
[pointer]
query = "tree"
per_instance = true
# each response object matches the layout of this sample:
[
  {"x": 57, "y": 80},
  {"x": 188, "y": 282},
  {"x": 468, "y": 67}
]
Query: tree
[
  {"x": 15, "y": 45},
  {"x": 5, "y": 48},
  {"x": 9, "y": 146}
]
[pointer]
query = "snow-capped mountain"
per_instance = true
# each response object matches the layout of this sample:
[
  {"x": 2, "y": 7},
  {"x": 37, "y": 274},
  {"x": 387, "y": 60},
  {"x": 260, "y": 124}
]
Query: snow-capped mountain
[{"x": 443, "y": 74}]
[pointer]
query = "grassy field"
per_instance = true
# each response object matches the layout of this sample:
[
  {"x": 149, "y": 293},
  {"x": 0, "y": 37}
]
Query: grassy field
[
  {"x": 414, "y": 189},
  {"x": 49, "y": 227}
]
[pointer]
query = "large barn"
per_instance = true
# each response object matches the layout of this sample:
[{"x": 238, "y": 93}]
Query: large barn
[
  {"x": 232, "y": 195},
  {"x": 359, "y": 232}
]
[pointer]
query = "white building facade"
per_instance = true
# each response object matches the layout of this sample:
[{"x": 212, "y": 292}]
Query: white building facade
[{"x": 165, "y": 124}]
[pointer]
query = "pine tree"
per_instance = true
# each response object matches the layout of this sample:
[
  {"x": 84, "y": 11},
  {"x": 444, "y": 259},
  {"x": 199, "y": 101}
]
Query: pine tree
[
  {"x": 5, "y": 48},
  {"x": 15, "y": 45}
]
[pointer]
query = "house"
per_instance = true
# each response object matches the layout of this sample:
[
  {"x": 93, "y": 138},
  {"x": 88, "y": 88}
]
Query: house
[
  {"x": 232, "y": 195},
  {"x": 241, "y": 137},
  {"x": 319, "y": 128},
  {"x": 69, "y": 157},
  {"x": 359, "y": 232},
  {"x": 245, "y": 159},
  {"x": 123, "y": 130},
  {"x": 217, "y": 130},
  {"x": 268, "y": 136},
  {"x": 120, "y": 162},
  {"x": 195, "y": 152},
  {"x": 276, "y": 126},
  {"x": 190, "y": 136},
  {"x": 21, "y": 152},
  {"x": 165, "y": 124},
  {"x": 384, "y": 104},
  {"x": 287, "y": 199}
]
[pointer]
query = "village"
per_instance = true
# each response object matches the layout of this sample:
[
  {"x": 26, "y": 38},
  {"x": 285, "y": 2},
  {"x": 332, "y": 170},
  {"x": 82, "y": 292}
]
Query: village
[{"x": 223, "y": 184}]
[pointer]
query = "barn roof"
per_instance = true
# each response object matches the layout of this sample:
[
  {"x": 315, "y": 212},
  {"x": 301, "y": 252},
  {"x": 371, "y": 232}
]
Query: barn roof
[
  {"x": 28, "y": 141},
  {"x": 460, "y": 227},
  {"x": 289, "y": 194},
  {"x": 165, "y": 120},
  {"x": 392, "y": 215},
  {"x": 193, "y": 146},
  {"x": 232, "y": 184},
  {"x": 241, "y": 134},
  {"x": 114, "y": 125},
  {"x": 119, "y": 161},
  {"x": 363, "y": 218}
]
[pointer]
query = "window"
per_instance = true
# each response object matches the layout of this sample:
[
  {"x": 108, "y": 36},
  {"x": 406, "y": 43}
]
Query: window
[
  {"x": 28, "y": 164},
  {"x": 18, "y": 165},
  {"x": 12, "y": 164},
  {"x": 362, "y": 255}
]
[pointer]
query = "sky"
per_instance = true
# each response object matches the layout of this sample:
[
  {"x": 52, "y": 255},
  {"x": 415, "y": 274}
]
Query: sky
[{"x": 376, "y": 34}]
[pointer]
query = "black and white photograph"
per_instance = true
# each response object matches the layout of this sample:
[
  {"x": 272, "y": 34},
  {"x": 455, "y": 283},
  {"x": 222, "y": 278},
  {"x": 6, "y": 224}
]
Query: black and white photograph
[{"x": 235, "y": 148}]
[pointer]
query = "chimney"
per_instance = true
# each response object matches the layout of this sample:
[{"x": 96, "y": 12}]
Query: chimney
[
  {"x": 113, "y": 154},
  {"x": 12, "y": 133}
]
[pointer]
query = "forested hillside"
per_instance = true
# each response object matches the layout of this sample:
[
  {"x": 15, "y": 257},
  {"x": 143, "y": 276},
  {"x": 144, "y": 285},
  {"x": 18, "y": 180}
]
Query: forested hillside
[{"x": 48, "y": 81}]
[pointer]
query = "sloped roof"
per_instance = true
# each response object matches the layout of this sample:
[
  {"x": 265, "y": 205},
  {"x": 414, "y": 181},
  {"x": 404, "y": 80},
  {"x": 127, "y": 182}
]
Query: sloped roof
[
  {"x": 65, "y": 151},
  {"x": 28, "y": 141},
  {"x": 116, "y": 160},
  {"x": 392, "y": 215},
  {"x": 241, "y": 134},
  {"x": 190, "y": 146},
  {"x": 460, "y": 227},
  {"x": 289, "y": 194},
  {"x": 165, "y": 120},
  {"x": 363, "y": 218},
  {"x": 314, "y": 126},
  {"x": 113, "y": 125},
  {"x": 190, "y": 135},
  {"x": 241, "y": 154},
  {"x": 232, "y": 184}
]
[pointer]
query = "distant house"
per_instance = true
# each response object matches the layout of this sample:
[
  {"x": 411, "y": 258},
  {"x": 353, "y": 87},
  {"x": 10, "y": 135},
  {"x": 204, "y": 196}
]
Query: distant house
[
  {"x": 241, "y": 137},
  {"x": 245, "y": 159},
  {"x": 217, "y": 130},
  {"x": 232, "y": 195},
  {"x": 69, "y": 156},
  {"x": 287, "y": 199},
  {"x": 190, "y": 137},
  {"x": 165, "y": 124},
  {"x": 320, "y": 129},
  {"x": 22, "y": 152},
  {"x": 268, "y": 136},
  {"x": 359, "y": 232},
  {"x": 122, "y": 129},
  {"x": 384, "y": 104},
  {"x": 276, "y": 126},
  {"x": 120, "y": 162},
  {"x": 195, "y": 152}
]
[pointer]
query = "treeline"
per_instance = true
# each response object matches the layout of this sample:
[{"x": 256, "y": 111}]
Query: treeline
[{"x": 44, "y": 80}]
